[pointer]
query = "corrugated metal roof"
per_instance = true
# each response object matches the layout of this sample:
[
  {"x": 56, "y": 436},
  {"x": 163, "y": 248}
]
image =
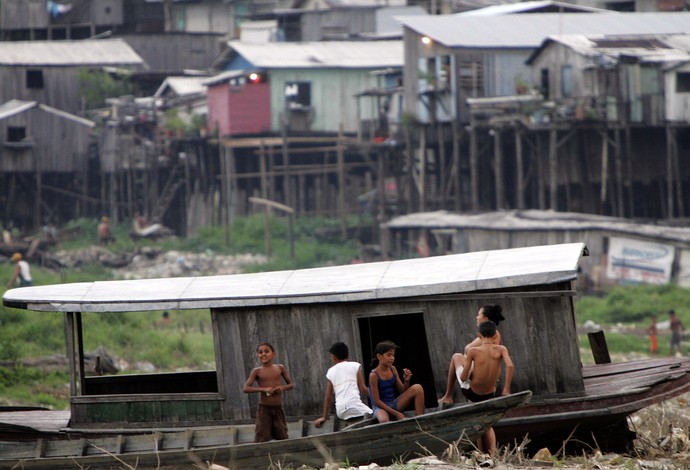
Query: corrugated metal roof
[
  {"x": 528, "y": 31},
  {"x": 468, "y": 272},
  {"x": 644, "y": 48},
  {"x": 182, "y": 86},
  {"x": 536, "y": 220},
  {"x": 87, "y": 52},
  {"x": 14, "y": 107},
  {"x": 525, "y": 7},
  {"x": 327, "y": 54},
  {"x": 223, "y": 77}
]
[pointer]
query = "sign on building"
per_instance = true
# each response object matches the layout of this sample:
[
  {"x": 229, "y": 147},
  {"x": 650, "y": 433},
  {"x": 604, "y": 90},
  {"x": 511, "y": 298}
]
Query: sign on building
[{"x": 635, "y": 261}]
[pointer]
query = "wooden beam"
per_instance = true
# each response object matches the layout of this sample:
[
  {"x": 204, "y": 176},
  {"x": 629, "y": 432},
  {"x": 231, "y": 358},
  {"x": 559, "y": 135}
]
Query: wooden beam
[
  {"x": 275, "y": 141},
  {"x": 303, "y": 150}
]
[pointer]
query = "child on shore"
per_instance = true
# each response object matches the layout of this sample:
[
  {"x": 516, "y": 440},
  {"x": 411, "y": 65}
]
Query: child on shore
[
  {"x": 272, "y": 380},
  {"x": 652, "y": 332},
  {"x": 485, "y": 363},
  {"x": 345, "y": 379},
  {"x": 486, "y": 313},
  {"x": 384, "y": 382}
]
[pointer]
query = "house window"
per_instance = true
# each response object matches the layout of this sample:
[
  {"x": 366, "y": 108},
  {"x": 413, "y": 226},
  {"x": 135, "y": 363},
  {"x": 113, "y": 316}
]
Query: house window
[
  {"x": 683, "y": 82},
  {"x": 34, "y": 79},
  {"x": 298, "y": 95},
  {"x": 16, "y": 134},
  {"x": 566, "y": 81}
]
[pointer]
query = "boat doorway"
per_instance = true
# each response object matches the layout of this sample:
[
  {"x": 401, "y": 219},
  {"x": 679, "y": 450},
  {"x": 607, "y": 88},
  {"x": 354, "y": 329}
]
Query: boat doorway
[{"x": 408, "y": 332}]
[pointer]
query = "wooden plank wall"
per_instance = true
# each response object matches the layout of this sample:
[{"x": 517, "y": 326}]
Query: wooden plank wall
[
  {"x": 60, "y": 86},
  {"x": 539, "y": 332},
  {"x": 60, "y": 144}
]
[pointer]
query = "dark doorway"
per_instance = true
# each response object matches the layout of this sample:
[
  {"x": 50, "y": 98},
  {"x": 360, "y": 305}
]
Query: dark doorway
[{"x": 408, "y": 332}]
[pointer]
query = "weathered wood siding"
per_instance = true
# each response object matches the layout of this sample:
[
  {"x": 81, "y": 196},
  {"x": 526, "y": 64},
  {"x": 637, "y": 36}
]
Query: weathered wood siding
[
  {"x": 175, "y": 52},
  {"x": 23, "y": 14},
  {"x": 60, "y": 144},
  {"x": 61, "y": 87},
  {"x": 677, "y": 103},
  {"x": 539, "y": 332},
  {"x": 332, "y": 96}
]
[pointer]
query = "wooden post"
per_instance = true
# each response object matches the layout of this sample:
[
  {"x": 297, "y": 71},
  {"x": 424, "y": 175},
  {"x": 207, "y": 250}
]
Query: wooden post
[
  {"x": 600, "y": 351},
  {"x": 628, "y": 172},
  {"x": 411, "y": 187},
  {"x": 474, "y": 170},
  {"x": 456, "y": 164},
  {"x": 553, "y": 170},
  {"x": 676, "y": 170},
  {"x": 282, "y": 207},
  {"x": 519, "y": 170},
  {"x": 342, "y": 210},
  {"x": 619, "y": 174},
  {"x": 421, "y": 182},
  {"x": 541, "y": 174},
  {"x": 669, "y": 172},
  {"x": 498, "y": 169},
  {"x": 70, "y": 351},
  {"x": 441, "y": 165},
  {"x": 264, "y": 195},
  {"x": 286, "y": 162}
]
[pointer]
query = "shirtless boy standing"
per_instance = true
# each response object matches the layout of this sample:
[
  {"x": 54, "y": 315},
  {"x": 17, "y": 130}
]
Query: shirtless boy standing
[
  {"x": 272, "y": 380},
  {"x": 484, "y": 362}
]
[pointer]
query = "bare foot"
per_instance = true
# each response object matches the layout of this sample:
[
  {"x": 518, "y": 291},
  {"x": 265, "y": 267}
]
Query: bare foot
[{"x": 446, "y": 400}]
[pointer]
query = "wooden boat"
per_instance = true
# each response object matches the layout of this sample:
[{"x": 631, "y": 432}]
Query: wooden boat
[
  {"x": 232, "y": 446},
  {"x": 426, "y": 305},
  {"x": 598, "y": 418}
]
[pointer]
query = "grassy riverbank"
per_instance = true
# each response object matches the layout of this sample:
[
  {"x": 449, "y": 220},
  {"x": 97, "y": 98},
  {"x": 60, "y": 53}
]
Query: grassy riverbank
[{"x": 185, "y": 342}]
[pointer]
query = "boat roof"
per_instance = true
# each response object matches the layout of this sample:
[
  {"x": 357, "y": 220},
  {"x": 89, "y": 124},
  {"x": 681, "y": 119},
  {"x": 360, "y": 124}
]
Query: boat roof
[{"x": 467, "y": 272}]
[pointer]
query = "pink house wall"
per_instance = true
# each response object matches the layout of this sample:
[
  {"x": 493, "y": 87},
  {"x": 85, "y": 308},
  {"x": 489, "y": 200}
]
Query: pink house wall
[{"x": 239, "y": 109}]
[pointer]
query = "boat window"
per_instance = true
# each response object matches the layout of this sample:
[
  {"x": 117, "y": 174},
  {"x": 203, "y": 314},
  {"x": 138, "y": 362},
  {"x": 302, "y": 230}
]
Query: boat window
[{"x": 148, "y": 352}]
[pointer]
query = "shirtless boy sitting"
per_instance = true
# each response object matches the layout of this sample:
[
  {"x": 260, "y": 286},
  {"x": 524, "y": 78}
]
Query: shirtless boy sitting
[{"x": 484, "y": 362}]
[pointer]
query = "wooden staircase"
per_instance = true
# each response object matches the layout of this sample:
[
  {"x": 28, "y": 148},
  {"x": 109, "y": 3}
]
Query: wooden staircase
[{"x": 172, "y": 184}]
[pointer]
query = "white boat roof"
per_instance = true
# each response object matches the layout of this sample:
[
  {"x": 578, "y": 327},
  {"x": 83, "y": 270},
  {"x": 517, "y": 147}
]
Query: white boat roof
[{"x": 468, "y": 272}]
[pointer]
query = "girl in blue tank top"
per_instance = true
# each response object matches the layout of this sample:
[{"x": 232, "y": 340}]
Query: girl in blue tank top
[{"x": 385, "y": 385}]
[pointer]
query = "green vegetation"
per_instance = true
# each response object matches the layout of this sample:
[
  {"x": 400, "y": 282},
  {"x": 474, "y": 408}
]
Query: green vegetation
[
  {"x": 183, "y": 343},
  {"x": 625, "y": 314},
  {"x": 139, "y": 339},
  {"x": 97, "y": 86}
]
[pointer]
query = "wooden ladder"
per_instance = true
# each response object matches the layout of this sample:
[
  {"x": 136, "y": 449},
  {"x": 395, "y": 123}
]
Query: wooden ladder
[{"x": 173, "y": 183}]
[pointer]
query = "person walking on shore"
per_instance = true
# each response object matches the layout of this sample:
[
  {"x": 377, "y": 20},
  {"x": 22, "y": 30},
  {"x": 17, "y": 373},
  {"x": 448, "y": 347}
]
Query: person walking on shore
[{"x": 22, "y": 271}]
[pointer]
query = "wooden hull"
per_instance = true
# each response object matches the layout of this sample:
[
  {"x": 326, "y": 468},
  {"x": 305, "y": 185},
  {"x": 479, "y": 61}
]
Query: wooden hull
[
  {"x": 612, "y": 393},
  {"x": 382, "y": 443}
]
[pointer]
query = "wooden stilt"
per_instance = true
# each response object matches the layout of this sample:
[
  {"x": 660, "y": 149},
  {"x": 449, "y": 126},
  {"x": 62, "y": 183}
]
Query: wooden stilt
[
  {"x": 474, "y": 170},
  {"x": 498, "y": 170},
  {"x": 519, "y": 171},
  {"x": 553, "y": 170}
]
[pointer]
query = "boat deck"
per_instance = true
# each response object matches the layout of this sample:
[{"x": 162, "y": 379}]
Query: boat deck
[{"x": 612, "y": 392}]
